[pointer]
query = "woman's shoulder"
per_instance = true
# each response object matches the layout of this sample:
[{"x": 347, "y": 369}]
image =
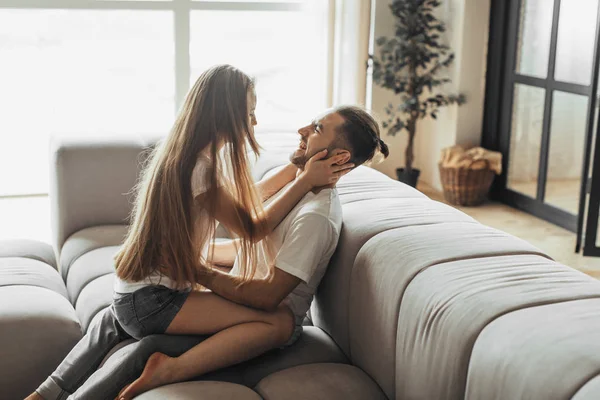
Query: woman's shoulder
[{"x": 201, "y": 174}]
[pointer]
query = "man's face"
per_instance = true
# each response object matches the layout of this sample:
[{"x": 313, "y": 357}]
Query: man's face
[{"x": 317, "y": 136}]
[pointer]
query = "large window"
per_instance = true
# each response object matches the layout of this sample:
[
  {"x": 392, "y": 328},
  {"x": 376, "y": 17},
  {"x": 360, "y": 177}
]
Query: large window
[{"x": 111, "y": 67}]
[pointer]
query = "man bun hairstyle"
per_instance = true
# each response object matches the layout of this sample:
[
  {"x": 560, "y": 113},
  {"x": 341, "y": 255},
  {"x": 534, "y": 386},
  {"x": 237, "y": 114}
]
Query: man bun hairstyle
[
  {"x": 361, "y": 134},
  {"x": 383, "y": 148}
]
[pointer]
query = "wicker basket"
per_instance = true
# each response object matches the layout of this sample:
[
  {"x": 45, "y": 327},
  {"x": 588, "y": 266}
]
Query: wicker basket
[{"x": 465, "y": 186}]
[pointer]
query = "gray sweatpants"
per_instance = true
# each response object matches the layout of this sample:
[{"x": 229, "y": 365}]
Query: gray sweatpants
[{"x": 78, "y": 376}]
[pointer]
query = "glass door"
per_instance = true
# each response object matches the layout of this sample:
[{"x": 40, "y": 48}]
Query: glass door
[{"x": 545, "y": 119}]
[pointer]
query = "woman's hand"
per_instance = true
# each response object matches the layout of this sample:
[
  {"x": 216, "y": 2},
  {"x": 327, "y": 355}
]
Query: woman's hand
[{"x": 322, "y": 172}]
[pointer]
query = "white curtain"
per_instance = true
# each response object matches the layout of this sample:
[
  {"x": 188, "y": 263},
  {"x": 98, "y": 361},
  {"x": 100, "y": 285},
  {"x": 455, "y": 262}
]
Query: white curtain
[{"x": 349, "y": 49}]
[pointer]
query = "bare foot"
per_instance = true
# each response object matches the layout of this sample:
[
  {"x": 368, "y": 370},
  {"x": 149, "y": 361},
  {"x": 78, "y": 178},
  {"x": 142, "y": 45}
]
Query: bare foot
[
  {"x": 157, "y": 372},
  {"x": 34, "y": 396}
]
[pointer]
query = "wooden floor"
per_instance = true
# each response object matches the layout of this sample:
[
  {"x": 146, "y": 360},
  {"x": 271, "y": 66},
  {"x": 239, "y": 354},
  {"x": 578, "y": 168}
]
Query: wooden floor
[
  {"x": 553, "y": 240},
  {"x": 563, "y": 194}
]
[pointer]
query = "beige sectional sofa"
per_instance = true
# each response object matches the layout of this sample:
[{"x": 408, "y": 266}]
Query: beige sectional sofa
[{"x": 420, "y": 301}]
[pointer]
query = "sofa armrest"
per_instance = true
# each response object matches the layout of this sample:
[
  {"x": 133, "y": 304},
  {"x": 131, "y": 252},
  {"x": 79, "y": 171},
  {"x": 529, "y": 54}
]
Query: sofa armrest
[{"x": 91, "y": 181}]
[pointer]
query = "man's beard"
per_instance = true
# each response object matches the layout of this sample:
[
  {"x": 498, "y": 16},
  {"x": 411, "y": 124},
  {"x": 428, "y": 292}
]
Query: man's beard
[{"x": 299, "y": 158}]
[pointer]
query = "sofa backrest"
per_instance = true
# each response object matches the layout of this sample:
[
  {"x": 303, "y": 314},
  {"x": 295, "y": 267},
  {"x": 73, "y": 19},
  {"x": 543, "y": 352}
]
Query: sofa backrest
[
  {"x": 390, "y": 234},
  {"x": 91, "y": 182}
]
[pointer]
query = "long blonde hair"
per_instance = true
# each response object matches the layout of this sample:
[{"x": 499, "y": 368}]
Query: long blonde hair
[{"x": 163, "y": 236}]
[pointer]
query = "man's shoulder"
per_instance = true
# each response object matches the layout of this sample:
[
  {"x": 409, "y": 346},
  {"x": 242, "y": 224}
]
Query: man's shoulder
[{"x": 324, "y": 206}]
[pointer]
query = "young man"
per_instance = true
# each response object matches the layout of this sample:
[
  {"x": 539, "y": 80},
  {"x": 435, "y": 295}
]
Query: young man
[{"x": 301, "y": 245}]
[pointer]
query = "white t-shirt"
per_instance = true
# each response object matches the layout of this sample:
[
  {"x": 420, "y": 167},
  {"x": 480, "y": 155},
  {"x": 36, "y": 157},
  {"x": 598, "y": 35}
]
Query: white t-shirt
[
  {"x": 199, "y": 183},
  {"x": 303, "y": 244}
]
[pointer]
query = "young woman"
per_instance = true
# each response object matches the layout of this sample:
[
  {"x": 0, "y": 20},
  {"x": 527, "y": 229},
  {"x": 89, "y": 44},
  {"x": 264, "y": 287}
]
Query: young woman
[{"x": 183, "y": 194}]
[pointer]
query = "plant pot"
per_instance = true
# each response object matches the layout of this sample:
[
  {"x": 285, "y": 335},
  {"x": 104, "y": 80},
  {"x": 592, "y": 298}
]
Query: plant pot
[{"x": 410, "y": 178}]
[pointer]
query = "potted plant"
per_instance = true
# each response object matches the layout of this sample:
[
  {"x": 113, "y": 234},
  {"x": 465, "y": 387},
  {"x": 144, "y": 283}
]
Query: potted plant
[{"x": 411, "y": 64}]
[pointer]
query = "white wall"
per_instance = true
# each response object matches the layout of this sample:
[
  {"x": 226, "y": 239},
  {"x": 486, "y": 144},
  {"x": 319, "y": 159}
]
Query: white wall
[{"x": 468, "y": 24}]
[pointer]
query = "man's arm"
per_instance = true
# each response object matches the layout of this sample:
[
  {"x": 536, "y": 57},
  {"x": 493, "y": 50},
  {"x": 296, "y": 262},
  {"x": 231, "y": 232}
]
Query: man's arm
[
  {"x": 304, "y": 246},
  {"x": 265, "y": 294}
]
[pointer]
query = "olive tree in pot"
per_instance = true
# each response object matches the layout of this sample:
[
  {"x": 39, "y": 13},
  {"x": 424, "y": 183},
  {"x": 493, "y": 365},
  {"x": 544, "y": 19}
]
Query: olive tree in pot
[{"x": 411, "y": 64}]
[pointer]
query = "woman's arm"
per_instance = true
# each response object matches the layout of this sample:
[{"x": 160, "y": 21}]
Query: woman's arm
[
  {"x": 317, "y": 173},
  {"x": 267, "y": 187},
  {"x": 262, "y": 224},
  {"x": 223, "y": 253}
]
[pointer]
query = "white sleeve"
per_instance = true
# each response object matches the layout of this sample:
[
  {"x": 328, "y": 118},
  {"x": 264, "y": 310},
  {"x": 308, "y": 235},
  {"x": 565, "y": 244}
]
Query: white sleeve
[
  {"x": 201, "y": 177},
  {"x": 304, "y": 245}
]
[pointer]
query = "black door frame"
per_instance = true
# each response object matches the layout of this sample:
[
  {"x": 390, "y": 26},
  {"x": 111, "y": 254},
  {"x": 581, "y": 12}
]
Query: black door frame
[
  {"x": 590, "y": 248},
  {"x": 591, "y": 185},
  {"x": 500, "y": 80}
]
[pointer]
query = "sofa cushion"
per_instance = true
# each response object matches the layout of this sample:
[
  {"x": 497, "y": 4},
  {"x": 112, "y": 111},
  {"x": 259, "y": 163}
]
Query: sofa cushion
[
  {"x": 87, "y": 240},
  {"x": 89, "y": 267},
  {"x": 546, "y": 352},
  {"x": 30, "y": 272},
  {"x": 38, "y": 328},
  {"x": 38, "y": 325},
  {"x": 206, "y": 390},
  {"x": 386, "y": 266},
  {"x": 589, "y": 391},
  {"x": 23, "y": 248},
  {"x": 365, "y": 183},
  {"x": 319, "y": 382},
  {"x": 96, "y": 296},
  {"x": 362, "y": 221},
  {"x": 445, "y": 308}
]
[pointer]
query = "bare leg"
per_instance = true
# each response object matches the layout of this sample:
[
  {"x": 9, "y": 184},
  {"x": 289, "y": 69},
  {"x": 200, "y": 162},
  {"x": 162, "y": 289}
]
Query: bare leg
[{"x": 239, "y": 333}]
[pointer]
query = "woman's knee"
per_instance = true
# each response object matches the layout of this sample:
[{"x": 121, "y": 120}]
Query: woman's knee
[{"x": 285, "y": 324}]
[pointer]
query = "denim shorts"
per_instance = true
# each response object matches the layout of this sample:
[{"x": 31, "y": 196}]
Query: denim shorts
[{"x": 149, "y": 310}]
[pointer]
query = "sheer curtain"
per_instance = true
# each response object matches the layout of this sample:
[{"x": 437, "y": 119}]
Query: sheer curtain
[{"x": 351, "y": 20}]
